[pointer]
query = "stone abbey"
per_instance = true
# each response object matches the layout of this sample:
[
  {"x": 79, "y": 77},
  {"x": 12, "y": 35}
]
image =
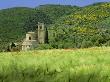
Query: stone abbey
[{"x": 40, "y": 36}]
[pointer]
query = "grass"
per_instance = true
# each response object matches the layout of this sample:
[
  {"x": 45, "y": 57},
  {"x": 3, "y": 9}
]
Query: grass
[{"x": 80, "y": 65}]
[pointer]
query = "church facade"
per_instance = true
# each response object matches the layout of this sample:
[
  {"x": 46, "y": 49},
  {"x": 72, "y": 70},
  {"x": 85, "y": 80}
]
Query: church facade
[{"x": 34, "y": 38}]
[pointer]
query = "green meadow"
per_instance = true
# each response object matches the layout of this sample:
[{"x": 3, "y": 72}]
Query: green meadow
[{"x": 65, "y": 65}]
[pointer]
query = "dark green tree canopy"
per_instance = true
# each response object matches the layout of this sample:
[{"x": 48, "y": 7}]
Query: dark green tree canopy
[{"x": 33, "y": 19}]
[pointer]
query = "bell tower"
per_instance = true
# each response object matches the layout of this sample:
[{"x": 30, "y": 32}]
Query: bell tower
[{"x": 41, "y": 33}]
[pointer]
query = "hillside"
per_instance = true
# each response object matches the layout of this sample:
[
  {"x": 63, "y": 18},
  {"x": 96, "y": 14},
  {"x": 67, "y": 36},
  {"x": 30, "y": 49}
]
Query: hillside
[
  {"x": 89, "y": 15},
  {"x": 73, "y": 27},
  {"x": 87, "y": 65},
  {"x": 15, "y": 22},
  {"x": 11, "y": 24},
  {"x": 56, "y": 11},
  {"x": 85, "y": 28}
]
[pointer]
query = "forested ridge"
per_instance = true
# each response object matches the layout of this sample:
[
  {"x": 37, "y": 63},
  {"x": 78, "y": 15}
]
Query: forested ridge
[{"x": 72, "y": 26}]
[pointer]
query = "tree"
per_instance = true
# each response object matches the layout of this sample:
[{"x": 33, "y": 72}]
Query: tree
[{"x": 32, "y": 21}]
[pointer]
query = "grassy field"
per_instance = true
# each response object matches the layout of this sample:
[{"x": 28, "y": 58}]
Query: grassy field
[{"x": 77, "y": 65}]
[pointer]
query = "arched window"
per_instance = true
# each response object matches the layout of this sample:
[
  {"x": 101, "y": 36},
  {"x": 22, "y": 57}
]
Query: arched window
[{"x": 29, "y": 38}]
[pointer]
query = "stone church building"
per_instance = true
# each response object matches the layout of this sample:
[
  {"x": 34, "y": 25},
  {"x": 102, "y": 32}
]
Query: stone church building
[{"x": 34, "y": 38}]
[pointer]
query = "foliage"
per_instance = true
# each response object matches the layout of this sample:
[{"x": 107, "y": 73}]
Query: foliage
[
  {"x": 15, "y": 22},
  {"x": 82, "y": 29},
  {"x": 78, "y": 37},
  {"x": 68, "y": 26},
  {"x": 12, "y": 23},
  {"x": 57, "y": 11},
  {"x": 32, "y": 21}
]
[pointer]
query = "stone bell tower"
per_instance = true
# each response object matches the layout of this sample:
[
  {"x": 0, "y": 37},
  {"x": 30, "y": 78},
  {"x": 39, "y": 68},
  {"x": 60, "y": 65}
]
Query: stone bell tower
[{"x": 41, "y": 33}]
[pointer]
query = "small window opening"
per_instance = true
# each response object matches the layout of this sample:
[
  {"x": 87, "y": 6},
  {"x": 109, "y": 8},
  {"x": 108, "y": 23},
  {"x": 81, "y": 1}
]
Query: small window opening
[{"x": 29, "y": 38}]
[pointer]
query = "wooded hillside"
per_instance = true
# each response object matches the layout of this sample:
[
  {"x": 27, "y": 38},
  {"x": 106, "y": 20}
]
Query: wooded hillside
[{"x": 73, "y": 27}]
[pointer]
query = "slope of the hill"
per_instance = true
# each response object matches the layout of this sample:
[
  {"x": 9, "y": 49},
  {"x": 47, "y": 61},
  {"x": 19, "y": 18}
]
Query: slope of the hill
[
  {"x": 50, "y": 14},
  {"x": 82, "y": 65},
  {"x": 74, "y": 27},
  {"x": 83, "y": 28},
  {"x": 56, "y": 11},
  {"x": 88, "y": 16},
  {"x": 105, "y": 23},
  {"x": 11, "y": 24},
  {"x": 15, "y": 22}
]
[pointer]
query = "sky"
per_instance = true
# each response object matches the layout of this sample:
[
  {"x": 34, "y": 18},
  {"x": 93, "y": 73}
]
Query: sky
[{"x": 34, "y": 3}]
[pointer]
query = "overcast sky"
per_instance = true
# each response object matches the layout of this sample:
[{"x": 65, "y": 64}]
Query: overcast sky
[{"x": 33, "y": 3}]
